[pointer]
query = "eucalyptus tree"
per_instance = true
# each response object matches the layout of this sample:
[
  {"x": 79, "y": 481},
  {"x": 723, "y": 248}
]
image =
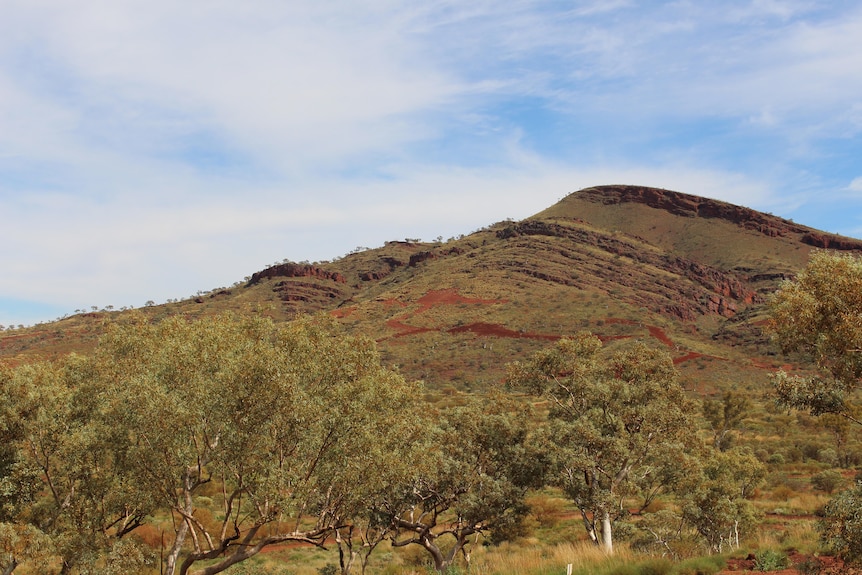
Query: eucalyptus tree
[
  {"x": 64, "y": 502},
  {"x": 716, "y": 499},
  {"x": 479, "y": 465},
  {"x": 294, "y": 424},
  {"x": 618, "y": 422},
  {"x": 724, "y": 416},
  {"x": 246, "y": 434},
  {"x": 819, "y": 314}
]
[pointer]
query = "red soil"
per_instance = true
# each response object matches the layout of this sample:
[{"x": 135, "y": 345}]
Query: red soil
[
  {"x": 689, "y": 356},
  {"x": 342, "y": 312},
  {"x": 660, "y": 335},
  {"x": 828, "y": 565},
  {"x": 450, "y": 296},
  {"x": 492, "y": 329}
]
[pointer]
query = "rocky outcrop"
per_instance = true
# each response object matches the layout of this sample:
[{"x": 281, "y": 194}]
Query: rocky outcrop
[
  {"x": 388, "y": 265},
  {"x": 830, "y": 242},
  {"x": 293, "y": 270},
  {"x": 423, "y": 256},
  {"x": 687, "y": 205}
]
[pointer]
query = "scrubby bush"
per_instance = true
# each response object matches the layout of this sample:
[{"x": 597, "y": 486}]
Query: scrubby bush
[
  {"x": 827, "y": 481},
  {"x": 770, "y": 560},
  {"x": 775, "y": 459}
]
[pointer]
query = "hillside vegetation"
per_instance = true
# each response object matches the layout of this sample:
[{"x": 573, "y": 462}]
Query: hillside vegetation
[
  {"x": 624, "y": 262},
  {"x": 498, "y": 461}
]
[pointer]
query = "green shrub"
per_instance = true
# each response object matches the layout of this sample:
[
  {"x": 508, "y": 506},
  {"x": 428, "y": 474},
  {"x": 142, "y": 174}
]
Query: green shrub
[
  {"x": 775, "y": 459},
  {"x": 827, "y": 481},
  {"x": 828, "y": 455},
  {"x": 770, "y": 560}
]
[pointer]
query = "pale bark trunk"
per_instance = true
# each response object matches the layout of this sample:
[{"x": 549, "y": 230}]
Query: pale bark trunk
[
  {"x": 174, "y": 553},
  {"x": 10, "y": 567},
  {"x": 607, "y": 535}
]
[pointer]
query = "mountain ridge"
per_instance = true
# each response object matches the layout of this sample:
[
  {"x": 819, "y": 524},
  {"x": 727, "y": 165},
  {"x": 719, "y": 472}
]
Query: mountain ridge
[{"x": 626, "y": 262}]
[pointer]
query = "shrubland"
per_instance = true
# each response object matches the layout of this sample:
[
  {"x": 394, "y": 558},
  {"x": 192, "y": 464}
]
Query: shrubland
[{"x": 234, "y": 444}]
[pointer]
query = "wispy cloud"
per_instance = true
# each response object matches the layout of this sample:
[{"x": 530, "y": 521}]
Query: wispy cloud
[{"x": 152, "y": 148}]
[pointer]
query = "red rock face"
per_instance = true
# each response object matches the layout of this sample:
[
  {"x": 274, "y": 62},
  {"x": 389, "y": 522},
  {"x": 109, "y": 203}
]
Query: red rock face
[
  {"x": 830, "y": 242},
  {"x": 292, "y": 270},
  {"x": 711, "y": 291}
]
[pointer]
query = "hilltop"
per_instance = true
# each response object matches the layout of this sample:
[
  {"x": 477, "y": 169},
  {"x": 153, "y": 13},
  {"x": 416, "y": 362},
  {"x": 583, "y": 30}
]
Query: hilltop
[{"x": 624, "y": 262}]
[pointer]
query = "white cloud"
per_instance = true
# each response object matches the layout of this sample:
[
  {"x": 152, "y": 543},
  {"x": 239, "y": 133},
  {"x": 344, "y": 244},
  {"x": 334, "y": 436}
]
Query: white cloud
[
  {"x": 128, "y": 251},
  {"x": 856, "y": 185},
  {"x": 152, "y": 148}
]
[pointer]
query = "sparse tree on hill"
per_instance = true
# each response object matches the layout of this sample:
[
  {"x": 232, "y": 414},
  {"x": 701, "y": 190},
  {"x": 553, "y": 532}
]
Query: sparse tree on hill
[
  {"x": 724, "y": 416},
  {"x": 616, "y": 422}
]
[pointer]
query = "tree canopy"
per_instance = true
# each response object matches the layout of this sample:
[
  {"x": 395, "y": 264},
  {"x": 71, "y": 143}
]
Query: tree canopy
[
  {"x": 616, "y": 421},
  {"x": 819, "y": 314},
  {"x": 293, "y": 425}
]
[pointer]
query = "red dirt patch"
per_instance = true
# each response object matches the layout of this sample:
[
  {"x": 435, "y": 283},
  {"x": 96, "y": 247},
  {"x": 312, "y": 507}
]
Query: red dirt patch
[
  {"x": 827, "y": 565},
  {"x": 342, "y": 312},
  {"x": 496, "y": 330},
  {"x": 660, "y": 335},
  {"x": 403, "y": 329},
  {"x": 655, "y": 331},
  {"x": 687, "y": 357}
]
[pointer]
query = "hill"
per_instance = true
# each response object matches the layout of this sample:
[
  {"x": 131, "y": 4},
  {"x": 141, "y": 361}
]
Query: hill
[{"x": 624, "y": 262}]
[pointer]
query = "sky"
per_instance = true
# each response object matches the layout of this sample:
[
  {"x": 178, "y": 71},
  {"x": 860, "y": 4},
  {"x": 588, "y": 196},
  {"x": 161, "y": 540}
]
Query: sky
[{"x": 152, "y": 149}]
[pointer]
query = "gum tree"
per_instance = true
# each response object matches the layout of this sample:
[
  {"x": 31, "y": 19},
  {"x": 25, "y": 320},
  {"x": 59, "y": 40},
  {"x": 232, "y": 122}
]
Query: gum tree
[
  {"x": 479, "y": 463},
  {"x": 819, "y": 315},
  {"x": 616, "y": 421},
  {"x": 247, "y": 434}
]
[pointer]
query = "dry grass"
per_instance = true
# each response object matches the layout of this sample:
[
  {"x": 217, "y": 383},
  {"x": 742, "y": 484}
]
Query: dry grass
[{"x": 534, "y": 558}]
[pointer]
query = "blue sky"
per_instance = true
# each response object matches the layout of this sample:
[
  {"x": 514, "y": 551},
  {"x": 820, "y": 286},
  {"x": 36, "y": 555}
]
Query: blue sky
[{"x": 151, "y": 148}]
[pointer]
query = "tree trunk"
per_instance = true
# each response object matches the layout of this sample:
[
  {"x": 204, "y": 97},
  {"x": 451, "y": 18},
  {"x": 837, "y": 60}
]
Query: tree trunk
[
  {"x": 440, "y": 562},
  {"x": 607, "y": 535},
  {"x": 590, "y": 526},
  {"x": 10, "y": 567},
  {"x": 174, "y": 553}
]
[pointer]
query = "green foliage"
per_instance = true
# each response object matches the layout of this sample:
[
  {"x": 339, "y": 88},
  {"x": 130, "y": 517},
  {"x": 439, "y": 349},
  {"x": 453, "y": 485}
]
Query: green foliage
[
  {"x": 480, "y": 463},
  {"x": 827, "y": 481},
  {"x": 617, "y": 424},
  {"x": 724, "y": 416},
  {"x": 770, "y": 560},
  {"x": 820, "y": 314},
  {"x": 841, "y": 524},
  {"x": 297, "y": 425},
  {"x": 715, "y": 501}
]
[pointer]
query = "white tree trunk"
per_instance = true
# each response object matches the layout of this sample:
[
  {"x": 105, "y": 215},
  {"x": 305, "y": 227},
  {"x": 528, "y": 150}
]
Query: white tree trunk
[{"x": 607, "y": 535}]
